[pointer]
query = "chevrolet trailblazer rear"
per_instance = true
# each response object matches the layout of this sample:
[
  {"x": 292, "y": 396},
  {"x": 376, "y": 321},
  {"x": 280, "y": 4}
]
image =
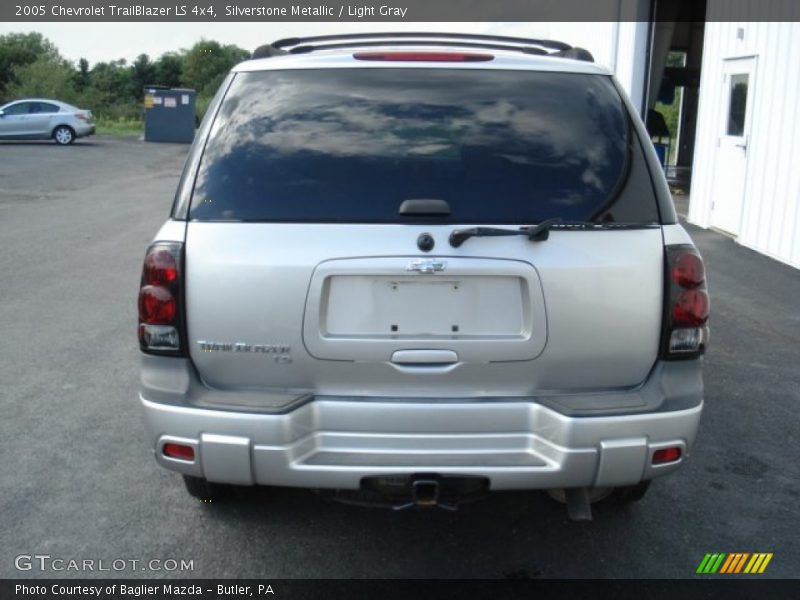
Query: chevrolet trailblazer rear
[{"x": 422, "y": 267}]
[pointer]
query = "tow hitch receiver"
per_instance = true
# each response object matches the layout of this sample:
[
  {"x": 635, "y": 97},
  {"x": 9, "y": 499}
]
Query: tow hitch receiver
[
  {"x": 425, "y": 492},
  {"x": 420, "y": 490}
]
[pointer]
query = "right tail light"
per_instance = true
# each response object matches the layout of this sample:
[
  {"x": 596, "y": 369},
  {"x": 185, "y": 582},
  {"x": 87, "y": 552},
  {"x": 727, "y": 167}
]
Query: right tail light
[{"x": 687, "y": 304}]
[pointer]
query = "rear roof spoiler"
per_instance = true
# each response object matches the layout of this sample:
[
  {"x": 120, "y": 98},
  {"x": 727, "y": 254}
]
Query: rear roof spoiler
[{"x": 305, "y": 45}]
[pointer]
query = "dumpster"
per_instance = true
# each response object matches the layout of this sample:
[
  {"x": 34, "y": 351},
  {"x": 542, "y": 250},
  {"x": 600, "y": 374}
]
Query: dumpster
[
  {"x": 169, "y": 114},
  {"x": 661, "y": 151}
]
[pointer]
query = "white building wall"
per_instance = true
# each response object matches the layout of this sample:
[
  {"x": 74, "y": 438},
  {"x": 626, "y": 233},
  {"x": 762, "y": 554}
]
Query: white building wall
[
  {"x": 630, "y": 65},
  {"x": 770, "y": 217}
]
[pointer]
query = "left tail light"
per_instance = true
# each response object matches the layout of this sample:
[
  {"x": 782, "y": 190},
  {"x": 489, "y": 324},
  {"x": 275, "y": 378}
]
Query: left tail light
[
  {"x": 160, "y": 314},
  {"x": 84, "y": 116}
]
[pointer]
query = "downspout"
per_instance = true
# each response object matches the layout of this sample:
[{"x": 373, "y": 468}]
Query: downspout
[{"x": 648, "y": 59}]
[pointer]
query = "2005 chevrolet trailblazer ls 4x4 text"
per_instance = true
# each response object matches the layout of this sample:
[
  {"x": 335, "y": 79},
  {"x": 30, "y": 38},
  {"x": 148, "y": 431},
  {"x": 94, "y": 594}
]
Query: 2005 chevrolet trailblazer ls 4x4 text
[{"x": 423, "y": 266}]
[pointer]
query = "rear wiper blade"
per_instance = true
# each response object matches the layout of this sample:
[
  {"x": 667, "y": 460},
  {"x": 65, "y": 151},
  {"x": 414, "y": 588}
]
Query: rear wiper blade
[
  {"x": 541, "y": 231},
  {"x": 536, "y": 233}
]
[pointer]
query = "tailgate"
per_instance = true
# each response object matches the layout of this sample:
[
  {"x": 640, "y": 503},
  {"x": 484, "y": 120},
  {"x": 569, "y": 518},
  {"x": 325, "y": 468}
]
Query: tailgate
[{"x": 580, "y": 311}]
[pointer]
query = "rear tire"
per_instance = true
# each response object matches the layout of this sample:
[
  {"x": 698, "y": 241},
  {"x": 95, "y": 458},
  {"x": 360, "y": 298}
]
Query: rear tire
[
  {"x": 628, "y": 494},
  {"x": 204, "y": 490},
  {"x": 63, "y": 135},
  {"x": 617, "y": 496},
  {"x": 595, "y": 494}
]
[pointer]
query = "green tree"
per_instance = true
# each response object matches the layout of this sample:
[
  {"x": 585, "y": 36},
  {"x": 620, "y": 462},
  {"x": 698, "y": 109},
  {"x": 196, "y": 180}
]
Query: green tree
[
  {"x": 111, "y": 93},
  {"x": 169, "y": 69},
  {"x": 18, "y": 50},
  {"x": 206, "y": 64},
  {"x": 112, "y": 81},
  {"x": 82, "y": 79},
  {"x": 47, "y": 77},
  {"x": 143, "y": 72}
]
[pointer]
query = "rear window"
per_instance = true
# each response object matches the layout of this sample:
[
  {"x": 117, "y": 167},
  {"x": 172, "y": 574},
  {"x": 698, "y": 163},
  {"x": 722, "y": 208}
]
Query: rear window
[{"x": 350, "y": 145}]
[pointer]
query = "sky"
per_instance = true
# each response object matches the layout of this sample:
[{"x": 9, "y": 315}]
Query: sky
[{"x": 99, "y": 42}]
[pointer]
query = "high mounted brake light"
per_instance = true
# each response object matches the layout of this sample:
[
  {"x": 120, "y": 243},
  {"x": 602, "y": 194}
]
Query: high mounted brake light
[
  {"x": 160, "y": 319},
  {"x": 687, "y": 304},
  {"x": 424, "y": 56}
]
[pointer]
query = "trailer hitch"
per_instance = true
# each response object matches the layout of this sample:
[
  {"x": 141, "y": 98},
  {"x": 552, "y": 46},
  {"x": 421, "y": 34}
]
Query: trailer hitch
[
  {"x": 425, "y": 494},
  {"x": 419, "y": 490}
]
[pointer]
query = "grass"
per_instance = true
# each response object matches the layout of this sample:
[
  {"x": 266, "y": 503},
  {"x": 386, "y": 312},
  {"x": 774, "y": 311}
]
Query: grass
[{"x": 120, "y": 126}]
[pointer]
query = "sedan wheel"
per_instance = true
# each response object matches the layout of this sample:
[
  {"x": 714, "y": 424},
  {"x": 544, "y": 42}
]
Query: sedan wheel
[{"x": 63, "y": 135}]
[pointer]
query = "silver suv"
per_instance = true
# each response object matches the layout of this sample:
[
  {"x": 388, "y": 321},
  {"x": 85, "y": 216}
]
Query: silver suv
[{"x": 424, "y": 267}]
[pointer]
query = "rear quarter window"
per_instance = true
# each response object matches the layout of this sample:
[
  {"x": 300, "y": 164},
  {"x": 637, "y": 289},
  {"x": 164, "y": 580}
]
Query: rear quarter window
[
  {"x": 349, "y": 145},
  {"x": 43, "y": 107}
]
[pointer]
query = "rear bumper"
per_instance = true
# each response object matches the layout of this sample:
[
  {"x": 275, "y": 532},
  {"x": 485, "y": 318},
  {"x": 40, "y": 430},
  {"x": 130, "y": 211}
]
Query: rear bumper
[
  {"x": 329, "y": 442},
  {"x": 84, "y": 129}
]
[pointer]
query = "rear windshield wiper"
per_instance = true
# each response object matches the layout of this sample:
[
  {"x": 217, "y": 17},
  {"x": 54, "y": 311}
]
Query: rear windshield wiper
[
  {"x": 536, "y": 233},
  {"x": 541, "y": 231}
]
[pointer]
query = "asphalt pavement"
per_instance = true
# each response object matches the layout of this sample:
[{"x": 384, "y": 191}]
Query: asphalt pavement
[{"x": 78, "y": 480}]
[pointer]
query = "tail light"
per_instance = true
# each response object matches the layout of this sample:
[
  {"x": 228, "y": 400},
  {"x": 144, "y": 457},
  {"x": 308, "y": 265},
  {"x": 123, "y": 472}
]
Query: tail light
[
  {"x": 160, "y": 318},
  {"x": 687, "y": 304},
  {"x": 84, "y": 116}
]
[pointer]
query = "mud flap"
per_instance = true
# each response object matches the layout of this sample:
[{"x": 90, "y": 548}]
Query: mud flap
[{"x": 578, "y": 506}]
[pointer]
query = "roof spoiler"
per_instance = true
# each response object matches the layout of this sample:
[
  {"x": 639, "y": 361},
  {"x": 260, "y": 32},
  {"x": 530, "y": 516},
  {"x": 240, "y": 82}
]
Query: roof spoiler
[{"x": 298, "y": 45}]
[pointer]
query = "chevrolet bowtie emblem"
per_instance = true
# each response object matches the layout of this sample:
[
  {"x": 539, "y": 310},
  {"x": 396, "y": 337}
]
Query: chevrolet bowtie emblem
[{"x": 427, "y": 265}]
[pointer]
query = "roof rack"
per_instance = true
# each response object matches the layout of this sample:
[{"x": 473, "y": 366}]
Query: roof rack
[{"x": 305, "y": 45}]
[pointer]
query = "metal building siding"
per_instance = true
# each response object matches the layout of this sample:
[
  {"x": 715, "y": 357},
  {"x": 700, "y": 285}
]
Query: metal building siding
[{"x": 770, "y": 216}]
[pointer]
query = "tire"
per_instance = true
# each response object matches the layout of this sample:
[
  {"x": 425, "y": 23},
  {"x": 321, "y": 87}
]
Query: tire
[
  {"x": 595, "y": 494},
  {"x": 204, "y": 490},
  {"x": 618, "y": 496},
  {"x": 628, "y": 494},
  {"x": 63, "y": 135}
]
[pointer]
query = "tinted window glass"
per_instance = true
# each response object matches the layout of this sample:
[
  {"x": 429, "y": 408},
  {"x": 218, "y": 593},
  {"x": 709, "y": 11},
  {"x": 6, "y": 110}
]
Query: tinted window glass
[
  {"x": 17, "y": 109},
  {"x": 43, "y": 107},
  {"x": 350, "y": 145},
  {"x": 737, "y": 108}
]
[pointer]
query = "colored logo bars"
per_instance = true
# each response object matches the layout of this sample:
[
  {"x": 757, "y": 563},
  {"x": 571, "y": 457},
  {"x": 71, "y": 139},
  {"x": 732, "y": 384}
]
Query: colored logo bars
[{"x": 734, "y": 562}]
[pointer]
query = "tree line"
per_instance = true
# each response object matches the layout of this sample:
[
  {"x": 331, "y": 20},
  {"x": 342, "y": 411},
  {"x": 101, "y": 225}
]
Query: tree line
[{"x": 31, "y": 66}]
